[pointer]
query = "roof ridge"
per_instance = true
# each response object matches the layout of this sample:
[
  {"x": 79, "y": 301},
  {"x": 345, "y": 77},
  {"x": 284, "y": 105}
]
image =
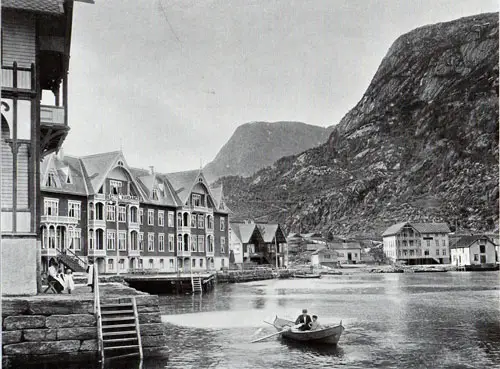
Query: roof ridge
[{"x": 102, "y": 153}]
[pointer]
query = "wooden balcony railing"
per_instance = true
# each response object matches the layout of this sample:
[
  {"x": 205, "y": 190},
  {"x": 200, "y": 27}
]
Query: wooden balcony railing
[{"x": 52, "y": 114}]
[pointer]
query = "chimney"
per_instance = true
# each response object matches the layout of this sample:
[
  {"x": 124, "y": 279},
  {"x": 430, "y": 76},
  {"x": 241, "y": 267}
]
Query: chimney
[{"x": 152, "y": 169}]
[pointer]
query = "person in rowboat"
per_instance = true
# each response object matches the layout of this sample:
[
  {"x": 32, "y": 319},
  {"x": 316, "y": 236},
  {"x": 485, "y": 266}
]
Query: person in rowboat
[
  {"x": 315, "y": 324},
  {"x": 305, "y": 320}
]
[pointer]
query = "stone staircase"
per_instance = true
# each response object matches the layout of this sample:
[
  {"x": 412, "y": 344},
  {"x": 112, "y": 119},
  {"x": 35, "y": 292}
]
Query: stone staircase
[{"x": 120, "y": 329}]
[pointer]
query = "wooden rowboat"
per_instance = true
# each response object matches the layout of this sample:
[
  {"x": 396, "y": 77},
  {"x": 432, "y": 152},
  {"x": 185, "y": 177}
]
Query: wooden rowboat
[
  {"x": 307, "y": 276},
  {"x": 330, "y": 335}
]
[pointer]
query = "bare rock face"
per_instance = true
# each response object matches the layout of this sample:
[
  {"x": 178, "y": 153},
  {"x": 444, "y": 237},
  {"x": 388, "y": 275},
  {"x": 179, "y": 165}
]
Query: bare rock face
[
  {"x": 256, "y": 145},
  {"x": 421, "y": 144}
]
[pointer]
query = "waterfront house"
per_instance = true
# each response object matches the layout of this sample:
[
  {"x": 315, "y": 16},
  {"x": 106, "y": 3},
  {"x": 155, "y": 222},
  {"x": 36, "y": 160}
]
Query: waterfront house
[
  {"x": 417, "y": 243},
  {"x": 125, "y": 219},
  {"x": 36, "y": 40},
  {"x": 324, "y": 257},
  {"x": 275, "y": 244},
  {"x": 473, "y": 250},
  {"x": 347, "y": 251},
  {"x": 244, "y": 238}
]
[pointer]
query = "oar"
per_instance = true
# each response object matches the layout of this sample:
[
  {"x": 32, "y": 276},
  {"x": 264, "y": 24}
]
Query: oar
[{"x": 263, "y": 338}]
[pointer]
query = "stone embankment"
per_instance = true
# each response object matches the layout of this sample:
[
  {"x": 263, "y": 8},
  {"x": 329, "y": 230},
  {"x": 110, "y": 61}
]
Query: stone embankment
[
  {"x": 63, "y": 328},
  {"x": 238, "y": 276}
]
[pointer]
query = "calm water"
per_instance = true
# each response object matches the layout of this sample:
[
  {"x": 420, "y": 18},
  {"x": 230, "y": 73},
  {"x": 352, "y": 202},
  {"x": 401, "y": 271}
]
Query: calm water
[{"x": 423, "y": 320}]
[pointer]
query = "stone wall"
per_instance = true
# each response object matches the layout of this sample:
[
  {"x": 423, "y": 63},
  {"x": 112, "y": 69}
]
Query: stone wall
[{"x": 53, "y": 328}]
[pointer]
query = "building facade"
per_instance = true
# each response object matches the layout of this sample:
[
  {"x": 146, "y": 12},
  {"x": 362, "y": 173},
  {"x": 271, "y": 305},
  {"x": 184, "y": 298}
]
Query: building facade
[
  {"x": 417, "y": 243},
  {"x": 96, "y": 208},
  {"x": 36, "y": 39},
  {"x": 473, "y": 250},
  {"x": 347, "y": 252}
]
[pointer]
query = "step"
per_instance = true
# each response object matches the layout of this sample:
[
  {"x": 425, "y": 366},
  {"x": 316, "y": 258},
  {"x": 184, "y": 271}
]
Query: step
[
  {"x": 105, "y": 306},
  {"x": 118, "y": 319},
  {"x": 124, "y": 355},
  {"x": 120, "y": 347},
  {"x": 120, "y": 339},
  {"x": 119, "y": 333},
  {"x": 109, "y": 312},
  {"x": 119, "y": 326}
]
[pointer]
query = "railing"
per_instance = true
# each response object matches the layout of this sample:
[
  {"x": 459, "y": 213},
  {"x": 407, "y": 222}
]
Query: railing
[
  {"x": 82, "y": 263},
  {"x": 137, "y": 327},
  {"x": 134, "y": 252},
  {"x": 58, "y": 219},
  {"x": 183, "y": 253},
  {"x": 97, "y": 252},
  {"x": 52, "y": 114},
  {"x": 18, "y": 78},
  {"x": 97, "y": 312}
]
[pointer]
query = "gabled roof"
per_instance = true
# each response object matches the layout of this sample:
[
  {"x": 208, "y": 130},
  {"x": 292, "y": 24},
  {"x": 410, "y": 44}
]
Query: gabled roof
[
  {"x": 243, "y": 231},
  {"x": 183, "y": 182},
  {"x": 420, "y": 227},
  {"x": 312, "y": 235},
  {"x": 294, "y": 235},
  {"x": 62, "y": 167},
  {"x": 40, "y": 6},
  {"x": 98, "y": 166},
  {"x": 344, "y": 245},
  {"x": 269, "y": 231},
  {"x": 467, "y": 241},
  {"x": 149, "y": 181}
]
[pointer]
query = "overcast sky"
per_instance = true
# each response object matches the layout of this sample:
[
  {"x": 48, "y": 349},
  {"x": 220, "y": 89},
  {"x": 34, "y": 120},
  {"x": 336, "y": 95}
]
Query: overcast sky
[{"x": 170, "y": 80}]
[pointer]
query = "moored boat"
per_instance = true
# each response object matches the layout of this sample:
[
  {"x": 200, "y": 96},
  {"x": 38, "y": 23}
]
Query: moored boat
[
  {"x": 329, "y": 334},
  {"x": 307, "y": 276}
]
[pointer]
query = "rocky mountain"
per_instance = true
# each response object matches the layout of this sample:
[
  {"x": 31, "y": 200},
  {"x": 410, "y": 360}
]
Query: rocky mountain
[
  {"x": 256, "y": 145},
  {"x": 421, "y": 144}
]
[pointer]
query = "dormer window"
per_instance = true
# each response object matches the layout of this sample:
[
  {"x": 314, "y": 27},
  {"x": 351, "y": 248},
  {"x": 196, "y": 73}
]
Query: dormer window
[
  {"x": 51, "y": 180},
  {"x": 200, "y": 180},
  {"x": 115, "y": 187},
  {"x": 155, "y": 194},
  {"x": 120, "y": 163},
  {"x": 196, "y": 200}
]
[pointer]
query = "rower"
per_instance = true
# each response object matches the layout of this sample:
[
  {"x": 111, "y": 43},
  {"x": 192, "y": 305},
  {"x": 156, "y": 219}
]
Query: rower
[{"x": 305, "y": 320}]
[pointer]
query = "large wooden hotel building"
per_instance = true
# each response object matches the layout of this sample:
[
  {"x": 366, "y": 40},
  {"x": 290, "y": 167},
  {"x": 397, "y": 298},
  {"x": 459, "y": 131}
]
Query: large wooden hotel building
[{"x": 98, "y": 208}]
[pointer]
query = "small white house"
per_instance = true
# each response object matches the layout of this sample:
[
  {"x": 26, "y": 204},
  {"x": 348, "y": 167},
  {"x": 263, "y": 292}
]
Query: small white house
[
  {"x": 347, "y": 252},
  {"x": 324, "y": 257},
  {"x": 473, "y": 250}
]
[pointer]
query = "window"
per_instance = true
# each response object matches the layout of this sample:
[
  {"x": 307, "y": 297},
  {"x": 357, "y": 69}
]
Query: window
[
  {"x": 476, "y": 257},
  {"x": 201, "y": 243},
  {"x": 222, "y": 224},
  {"x": 122, "y": 214},
  {"x": 91, "y": 211},
  {"x": 426, "y": 252},
  {"x": 443, "y": 252},
  {"x": 75, "y": 239},
  {"x": 161, "y": 218},
  {"x": 162, "y": 264},
  {"x": 74, "y": 209},
  {"x": 171, "y": 263},
  {"x": 161, "y": 242},
  {"x": 111, "y": 240},
  {"x": 170, "y": 219},
  {"x": 201, "y": 263},
  {"x": 222, "y": 245},
  {"x": 179, "y": 242},
  {"x": 91, "y": 239},
  {"x": 482, "y": 249},
  {"x": 210, "y": 244},
  {"x": 151, "y": 242},
  {"x": 201, "y": 221},
  {"x": 437, "y": 242},
  {"x": 133, "y": 241},
  {"x": 196, "y": 200},
  {"x": 111, "y": 264},
  {"x": 51, "y": 207},
  {"x": 193, "y": 220},
  {"x": 122, "y": 241},
  {"x": 437, "y": 252},
  {"x": 133, "y": 214},
  {"x": 412, "y": 253},
  {"x": 210, "y": 222},
  {"x": 171, "y": 240},
  {"x": 121, "y": 264},
  {"x": 193, "y": 263},
  {"x": 141, "y": 241},
  {"x": 115, "y": 187},
  {"x": 120, "y": 163},
  {"x": 110, "y": 213},
  {"x": 141, "y": 216},
  {"x": 151, "y": 263},
  {"x": 193, "y": 242},
  {"x": 101, "y": 190},
  {"x": 151, "y": 217},
  {"x": 141, "y": 265},
  {"x": 99, "y": 211},
  {"x": 428, "y": 243},
  {"x": 51, "y": 180},
  {"x": 155, "y": 194},
  {"x": 179, "y": 219}
]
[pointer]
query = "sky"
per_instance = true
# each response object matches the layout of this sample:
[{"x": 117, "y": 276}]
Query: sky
[{"x": 169, "y": 81}]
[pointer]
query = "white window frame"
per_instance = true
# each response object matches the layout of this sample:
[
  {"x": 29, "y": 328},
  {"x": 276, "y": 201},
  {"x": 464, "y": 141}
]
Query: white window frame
[
  {"x": 115, "y": 184},
  {"x": 201, "y": 221},
  {"x": 161, "y": 242},
  {"x": 151, "y": 217},
  {"x": 201, "y": 243},
  {"x": 74, "y": 209},
  {"x": 110, "y": 213},
  {"x": 141, "y": 216},
  {"x": 141, "y": 241},
  {"x": 110, "y": 240},
  {"x": 179, "y": 242},
  {"x": 171, "y": 242},
  {"x": 171, "y": 263},
  {"x": 121, "y": 264},
  {"x": 161, "y": 218},
  {"x": 122, "y": 236},
  {"x": 151, "y": 241},
  {"x": 162, "y": 264},
  {"x": 50, "y": 203},
  {"x": 171, "y": 219},
  {"x": 193, "y": 242},
  {"x": 222, "y": 245},
  {"x": 76, "y": 239},
  {"x": 111, "y": 264},
  {"x": 222, "y": 222},
  {"x": 193, "y": 220},
  {"x": 194, "y": 198},
  {"x": 122, "y": 214}
]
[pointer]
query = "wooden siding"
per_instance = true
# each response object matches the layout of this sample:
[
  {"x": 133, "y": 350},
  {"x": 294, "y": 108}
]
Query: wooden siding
[
  {"x": 22, "y": 177},
  {"x": 18, "y": 39},
  {"x": 6, "y": 176}
]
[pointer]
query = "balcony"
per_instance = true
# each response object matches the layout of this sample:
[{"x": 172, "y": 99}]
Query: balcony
[
  {"x": 58, "y": 219},
  {"x": 53, "y": 128},
  {"x": 95, "y": 223},
  {"x": 123, "y": 199},
  {"x": 49, "y": 252},
  {"x": 183, "y": 253},
  {"x": 184, "y": 229},
  {"x": 95, "y": 252},
  {"x": 133, "y": 226},
  {"x": 134, "y": 252},
  {"x": 210, "y": 253},
  {"x": 98, "y": 196}
]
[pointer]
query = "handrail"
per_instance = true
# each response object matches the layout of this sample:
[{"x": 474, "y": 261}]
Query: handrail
[
  {"x": 137, "y": 326},
  {"x": 97, "y": 312},
  {"x": 80, "y": 261}
]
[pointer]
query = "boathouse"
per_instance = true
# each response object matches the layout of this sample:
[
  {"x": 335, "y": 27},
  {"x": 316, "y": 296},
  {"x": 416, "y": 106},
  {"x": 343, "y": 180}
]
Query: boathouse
[{"x": 473, "y": 250}]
